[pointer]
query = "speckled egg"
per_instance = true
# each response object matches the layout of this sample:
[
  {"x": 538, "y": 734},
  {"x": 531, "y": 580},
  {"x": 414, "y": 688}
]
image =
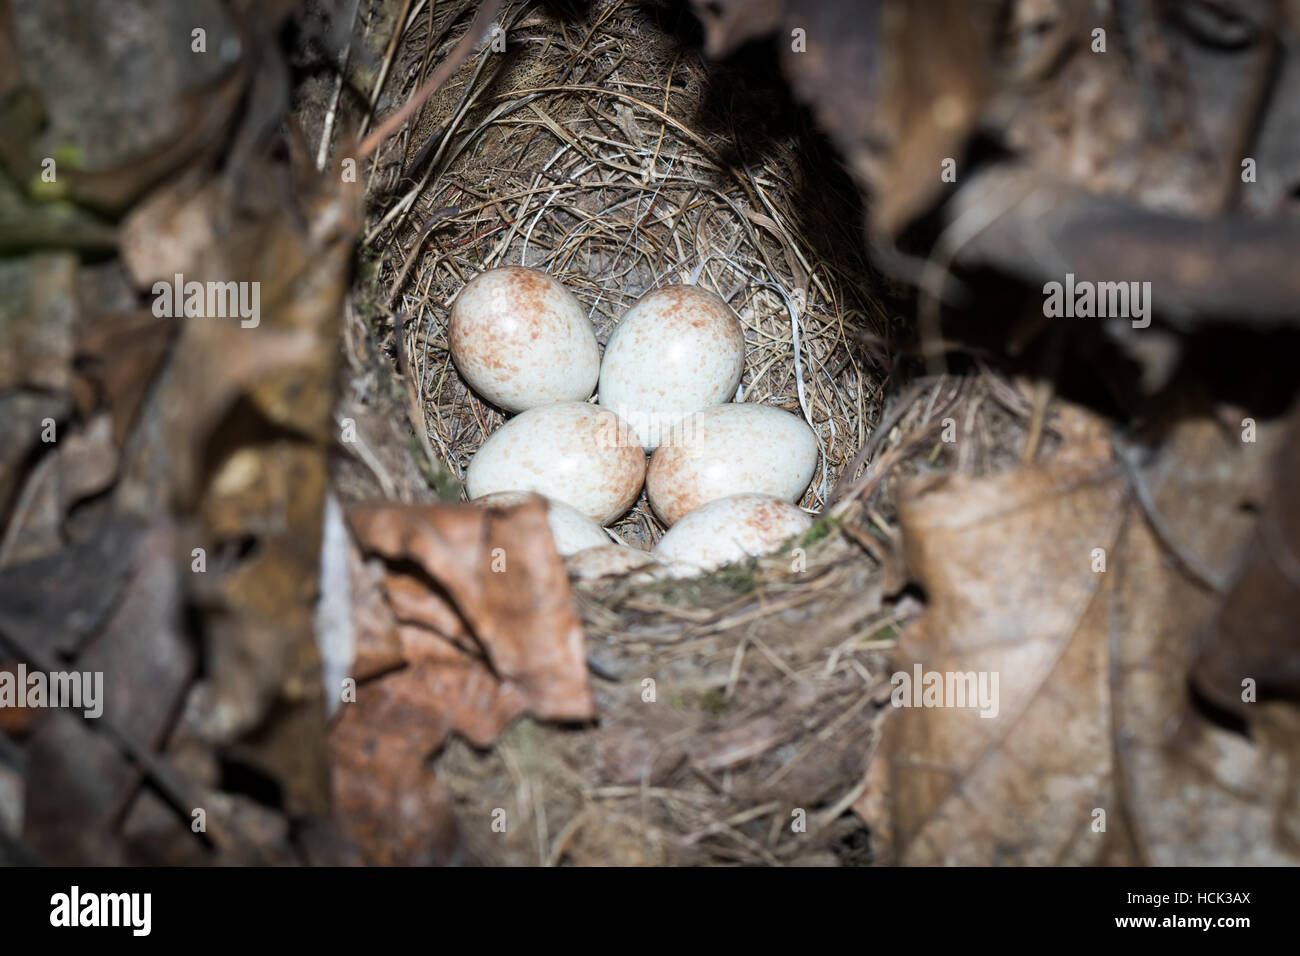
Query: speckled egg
[
  {"x": 572, "y": 530},
  {"x": 614, "y": 559},
  {"x": 572, "y": 452},
  {"x": 729, "y": 529},
  {"x": 520, "y": 340},
  {"x": 728, "y": 450},
  {"x": 677, "y": 350}
]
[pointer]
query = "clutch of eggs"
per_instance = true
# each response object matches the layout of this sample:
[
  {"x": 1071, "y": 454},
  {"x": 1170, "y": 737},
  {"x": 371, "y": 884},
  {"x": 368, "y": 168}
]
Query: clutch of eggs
[
  {"x": 727, "y": 450},
  {"x": 571, "y": 530},
  {"x": 572, "y": 452},
  {"x": 677, "y": 350},
  {"x": 520, "y": 339},
  {"x": 727, "y": 530}
]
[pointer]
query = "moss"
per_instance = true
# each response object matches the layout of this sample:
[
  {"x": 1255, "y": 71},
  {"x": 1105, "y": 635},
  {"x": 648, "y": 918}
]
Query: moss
[
  {"x": 889, "y": 632},
  {"x": 443, "y": 483},
  {"x": 713, "y": 701},
  {"x": 69, "y": 154},
  {"x": 740, "y": 578},
  {"x": 366, "y": 264},
  {"x": 43, "y": 191},
  {"x": 821, "y": 529}
]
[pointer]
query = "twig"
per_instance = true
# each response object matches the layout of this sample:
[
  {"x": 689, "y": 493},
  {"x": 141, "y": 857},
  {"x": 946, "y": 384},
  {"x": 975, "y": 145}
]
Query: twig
[
  {"x": 322, "y": 153},
  {"x": 1190, "y": 562}
]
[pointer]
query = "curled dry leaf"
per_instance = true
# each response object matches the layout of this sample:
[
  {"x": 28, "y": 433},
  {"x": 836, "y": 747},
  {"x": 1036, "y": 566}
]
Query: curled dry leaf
[
  {"x": 487, "y": 630},
  {"x": 80, "y": 466},
  {"x": 79, "y": 778},
  {"x": 899, "y": 86},
  {"x": 1253, "y": 635},
  {"x": 729, "y": 24},
  {"x": 1006, "y": 568},
  {"x": 1093, "y": 750},
  {"x": 121, "y": 355},
  {"x": 238, "y": 437}
]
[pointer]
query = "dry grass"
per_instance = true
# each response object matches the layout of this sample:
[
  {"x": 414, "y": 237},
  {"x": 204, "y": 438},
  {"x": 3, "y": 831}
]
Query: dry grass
[{"x": 589, "y": 150}]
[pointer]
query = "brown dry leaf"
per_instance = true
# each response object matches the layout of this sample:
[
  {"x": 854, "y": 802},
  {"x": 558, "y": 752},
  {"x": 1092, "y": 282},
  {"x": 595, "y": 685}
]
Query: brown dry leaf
[
  {"x": 1197, "y": 793},
  {"x": 502, "y": 574},
  {"x": 238, "y": 436},
  {"x": 898, "y": 85},
  {"x": 79, "y": 465},
  {"x": 377, "y": 647},
  {"x": 1092, "y": 707},
  {"x": 121, "y": 354},
  {"x": 488, "y": 632},
  {"x": 936, "y": 76},
  {"x": 78, "y": 780},
  {"x": 57, "y": 603},
  {"x": 729, "y": 24},
  {"x": 1254, "y": 631},
  {"x": 1006, "y": 568}
]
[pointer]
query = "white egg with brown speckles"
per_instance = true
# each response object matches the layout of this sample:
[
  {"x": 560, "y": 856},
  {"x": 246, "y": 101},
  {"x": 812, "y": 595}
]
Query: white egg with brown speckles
[
  {"x": 677, "y": 350},
  {"x": 520, "y": 340},
  {"x": 728, "y": 450},
  {"x": 572, "y": 452},
  {"x": 728, "y": 530},
  {"x": 571, "y": 530}
]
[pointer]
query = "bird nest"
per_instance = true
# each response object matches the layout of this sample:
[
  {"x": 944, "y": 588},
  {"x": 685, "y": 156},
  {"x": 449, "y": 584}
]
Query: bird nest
[
  {"x": 606, "y": 152},
  {"x": 601, "y": 162}
]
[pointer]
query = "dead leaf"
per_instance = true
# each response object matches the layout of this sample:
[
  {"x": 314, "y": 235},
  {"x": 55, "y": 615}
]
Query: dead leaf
[
  {"x": 83, "y": 464},
  {"x": 378, "y": 647},
  {"x": 78, "y": 779},
  {"x": 501, "y": 575},
  {"x": 729, "y": 24},
  {"x": 963, "y": 788},
  {"x": 899, "y": 86},
  {"x": 1095, "y": 753},
  {"x": 488, "y": 632},
  {"x": 121, "y": 354},
  {"x": 1253, "y": 635}
]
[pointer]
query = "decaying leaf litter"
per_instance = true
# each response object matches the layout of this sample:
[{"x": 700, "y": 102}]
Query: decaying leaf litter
[{"x": 603, "y": 148}]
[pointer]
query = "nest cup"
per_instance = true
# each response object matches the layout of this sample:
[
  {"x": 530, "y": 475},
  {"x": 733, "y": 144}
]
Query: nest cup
[{"x": 621, "y": 186}]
